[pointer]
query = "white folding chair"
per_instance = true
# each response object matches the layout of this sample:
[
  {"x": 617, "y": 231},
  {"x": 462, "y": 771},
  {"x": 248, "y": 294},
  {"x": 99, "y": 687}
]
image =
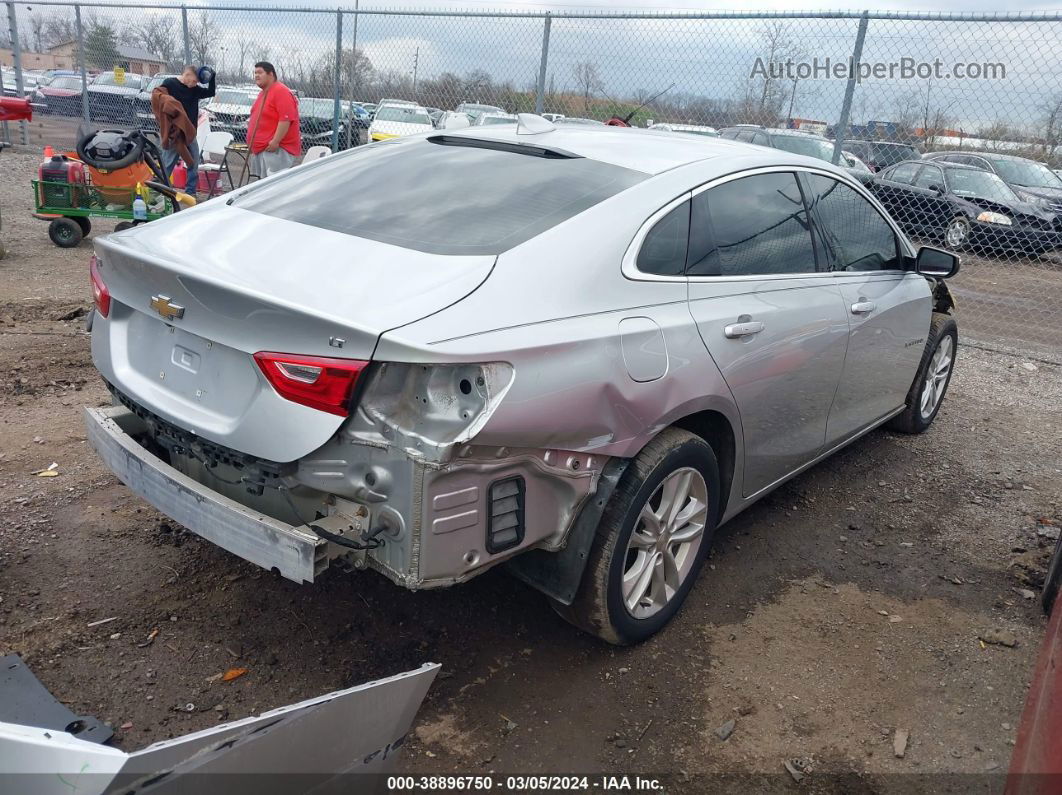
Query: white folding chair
[
  {"x": 316, "y": 152},
  {"x": 215, "y": 157}
]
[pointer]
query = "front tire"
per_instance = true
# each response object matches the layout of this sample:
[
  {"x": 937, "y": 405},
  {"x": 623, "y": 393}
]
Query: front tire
[
  {"x": 932, "y": 378},
  {"x": 651, "y": 541},
  {"x": 957, "y": 233}
]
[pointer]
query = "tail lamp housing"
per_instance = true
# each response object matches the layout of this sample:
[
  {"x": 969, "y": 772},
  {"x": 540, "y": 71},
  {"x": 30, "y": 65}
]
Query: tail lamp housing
[
  {"x": 100, "y": 294},
  {"x": 319, "y": 382}
]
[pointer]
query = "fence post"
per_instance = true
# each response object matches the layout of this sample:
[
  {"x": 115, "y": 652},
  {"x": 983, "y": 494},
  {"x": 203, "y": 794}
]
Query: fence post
[
  {"x": 337, "y": 83},
  {"x": 541, "y": 88},
  {"x": 849, "y": 89},
  {"x": 81, "y": 64},
  {"x": 16, "y": 55},
  {"x": 351, "y": 132},
  {"x": 187, "y": 41}
]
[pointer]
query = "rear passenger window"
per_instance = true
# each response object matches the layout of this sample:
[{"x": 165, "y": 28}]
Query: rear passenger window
[
  {"x": 858, "y": 238},
  {"x": 663, "y": 251},
  {"x": 751, "y": 226},
  {"x": 903, "y": 173},
  {"x": 928, "y": 177}
]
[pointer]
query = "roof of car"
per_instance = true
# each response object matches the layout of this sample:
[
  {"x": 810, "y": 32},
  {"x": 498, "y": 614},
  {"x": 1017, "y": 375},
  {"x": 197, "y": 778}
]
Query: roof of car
[
  {"x": 635, "y": 148},
  {"x": 983, "y": 155},
  {"x": 942, "y": 164}
]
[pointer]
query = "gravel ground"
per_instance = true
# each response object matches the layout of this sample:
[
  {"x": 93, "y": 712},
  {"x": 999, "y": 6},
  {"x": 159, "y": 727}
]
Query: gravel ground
[{"x": 846, "y": 606}]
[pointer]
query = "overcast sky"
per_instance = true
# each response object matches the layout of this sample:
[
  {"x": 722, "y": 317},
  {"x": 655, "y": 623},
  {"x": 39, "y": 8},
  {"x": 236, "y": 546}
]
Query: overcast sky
[{"x": 710, "y": 58}]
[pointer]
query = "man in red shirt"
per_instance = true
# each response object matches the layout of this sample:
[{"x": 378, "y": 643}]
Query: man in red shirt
[{"x": 273, "y": 129}]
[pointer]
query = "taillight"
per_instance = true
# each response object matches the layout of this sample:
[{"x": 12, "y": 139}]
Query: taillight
[
  {"x": 314, "y": 381},
  {"x": 100, "y": 294}
]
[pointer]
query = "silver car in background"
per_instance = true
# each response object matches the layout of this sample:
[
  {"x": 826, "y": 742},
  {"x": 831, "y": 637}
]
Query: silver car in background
[{"x": 577, "y": 351}]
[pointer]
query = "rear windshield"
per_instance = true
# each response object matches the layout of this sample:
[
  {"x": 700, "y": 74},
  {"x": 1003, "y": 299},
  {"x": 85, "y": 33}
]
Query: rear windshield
[
  {"x": 894, "y": 153},
  {"x": 439, "y": 198}
]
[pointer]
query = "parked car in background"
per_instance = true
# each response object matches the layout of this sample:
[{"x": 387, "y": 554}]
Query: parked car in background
[
  {"x": 692, "y": 129},
  {"x": 570, "y": 350},
  {"x": 50, "y": 74},
  {"x": 230, "y": 110},
  {"x": 474, "y": 110},
  {"x": 576, "y": 121},
  {"x": 394, "y": 121},
  {"x": 141, "y": 102},
  {"x": 552, "y": 116},
  {"x": 491, "y": 119},
  {"x": 1031, "y": 180},
  {"x": 452, "y": 120},
  {"x": 799, "y": 142},
  {"x": 855, "y": 163},
  {"x": 110, "y": 96},
  {"x": 370, "y": 108},
  {"x": 881, "y": 154},
  {"x": 29, "y": 84},
  {"x": 60, "y": 95},
  {"x": 965, "y": 207},
  {"x": 316, "y": 116}
]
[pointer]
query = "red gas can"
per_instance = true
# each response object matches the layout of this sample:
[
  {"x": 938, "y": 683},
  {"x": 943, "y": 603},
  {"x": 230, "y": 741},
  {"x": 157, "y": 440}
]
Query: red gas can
[{"x": 61, "y": 180}]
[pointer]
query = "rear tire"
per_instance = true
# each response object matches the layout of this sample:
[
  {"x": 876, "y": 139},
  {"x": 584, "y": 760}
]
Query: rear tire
[
  {"x": 638, "y": 574},
  {"x": 65, "y": 232},
  {"x": 121, "y": 226},
  {"x": 932, "y": 378},
  {"x": 85, "y": 224}
]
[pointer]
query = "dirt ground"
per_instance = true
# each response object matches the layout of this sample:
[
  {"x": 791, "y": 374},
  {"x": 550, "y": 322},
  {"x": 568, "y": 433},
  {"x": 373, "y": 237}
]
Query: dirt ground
[{"x": 846, "y": 606}]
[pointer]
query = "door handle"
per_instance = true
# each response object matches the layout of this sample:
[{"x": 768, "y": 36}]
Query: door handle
[
  {"x": 745, "y": 329},
  {"x": 863, "y": 307}
]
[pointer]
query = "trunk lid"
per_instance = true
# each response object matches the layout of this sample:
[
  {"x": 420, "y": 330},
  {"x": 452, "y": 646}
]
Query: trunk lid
[{"x": 246, "y": 283}]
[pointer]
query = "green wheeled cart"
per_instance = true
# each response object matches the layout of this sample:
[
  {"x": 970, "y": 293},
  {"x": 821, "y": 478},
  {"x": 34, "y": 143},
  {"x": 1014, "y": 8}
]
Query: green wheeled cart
[{"x": 68, "y": 206}]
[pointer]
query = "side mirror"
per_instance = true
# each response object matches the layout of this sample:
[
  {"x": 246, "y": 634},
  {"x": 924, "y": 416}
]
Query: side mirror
[
  {"x": 937, "y": 189},
  {"x": 936, "y": 262}
]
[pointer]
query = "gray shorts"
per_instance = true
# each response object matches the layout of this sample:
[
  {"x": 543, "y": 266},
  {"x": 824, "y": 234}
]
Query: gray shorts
[{"x": 265, "y": 164}]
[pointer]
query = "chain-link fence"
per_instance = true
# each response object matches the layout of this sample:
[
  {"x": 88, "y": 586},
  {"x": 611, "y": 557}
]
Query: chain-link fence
[{"x": 953, "y": 120}]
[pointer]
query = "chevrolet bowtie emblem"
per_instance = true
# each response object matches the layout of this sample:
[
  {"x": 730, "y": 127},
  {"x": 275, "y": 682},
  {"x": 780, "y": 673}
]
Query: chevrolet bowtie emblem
[{"x": 165, "y": 307}]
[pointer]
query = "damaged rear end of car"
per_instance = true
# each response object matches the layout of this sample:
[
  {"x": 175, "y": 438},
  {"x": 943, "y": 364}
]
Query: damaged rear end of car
[{"x": 239, "y": 343}]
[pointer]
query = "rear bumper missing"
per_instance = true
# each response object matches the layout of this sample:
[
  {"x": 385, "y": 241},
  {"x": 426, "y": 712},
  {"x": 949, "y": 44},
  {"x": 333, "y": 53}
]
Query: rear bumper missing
[{"x": 297, "y": 553}]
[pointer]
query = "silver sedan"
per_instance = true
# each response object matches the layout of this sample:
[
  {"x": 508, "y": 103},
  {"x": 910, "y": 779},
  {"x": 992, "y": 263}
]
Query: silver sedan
[{"x": 574, "y": 351}]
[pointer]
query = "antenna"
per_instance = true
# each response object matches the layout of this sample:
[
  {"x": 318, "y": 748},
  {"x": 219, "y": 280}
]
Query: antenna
[{"x": 630, "y": 115}]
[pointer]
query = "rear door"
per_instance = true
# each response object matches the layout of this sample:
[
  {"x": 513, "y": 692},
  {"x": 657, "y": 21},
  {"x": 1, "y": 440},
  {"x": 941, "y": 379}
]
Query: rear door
[
  {"x": 930, "y": 207},
  {"x": 892, "y": 188},
  {"x": 888, "y": 308},
  {"x": 770, "y": 317}
]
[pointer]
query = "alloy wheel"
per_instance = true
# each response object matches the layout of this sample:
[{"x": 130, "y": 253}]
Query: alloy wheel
[
  {"x": 956, "y": 233},
  {"x": 663, "y": 546},
  {"x": 936, "y": 377}
]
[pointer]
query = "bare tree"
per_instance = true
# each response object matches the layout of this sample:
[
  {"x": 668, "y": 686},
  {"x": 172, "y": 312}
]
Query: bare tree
[
  {"x": 58, "y": 29},
  {"x": 777, "y": 48},
  {"x": 157, "y": 34},
  {"x": 588, "y": 82},
  {"x": 203, "y": 33},
  {"x": 38, "y": 27},
  {"x": 1052, "y": 122}
]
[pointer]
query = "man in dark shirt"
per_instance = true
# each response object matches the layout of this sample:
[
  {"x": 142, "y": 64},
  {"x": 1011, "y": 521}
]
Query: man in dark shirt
[{"x": 186, "y": 90}]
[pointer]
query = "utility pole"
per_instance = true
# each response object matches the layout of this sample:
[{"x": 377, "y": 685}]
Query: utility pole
[{"x": 416, "y": 62}]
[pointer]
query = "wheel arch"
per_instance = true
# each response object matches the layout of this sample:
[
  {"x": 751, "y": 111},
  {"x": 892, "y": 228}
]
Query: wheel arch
[{"x": 716, "y": 429}]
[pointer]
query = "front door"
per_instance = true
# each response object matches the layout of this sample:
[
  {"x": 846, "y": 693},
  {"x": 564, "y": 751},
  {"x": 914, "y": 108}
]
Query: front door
[
  {"x": 887, "y": 307},
  {"x": 771, "y": 319}
]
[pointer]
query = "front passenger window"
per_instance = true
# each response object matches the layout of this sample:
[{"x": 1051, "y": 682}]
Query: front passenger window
[
  {"x": 751, "y": 226},
  {"x": 859, "y": 238}
]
